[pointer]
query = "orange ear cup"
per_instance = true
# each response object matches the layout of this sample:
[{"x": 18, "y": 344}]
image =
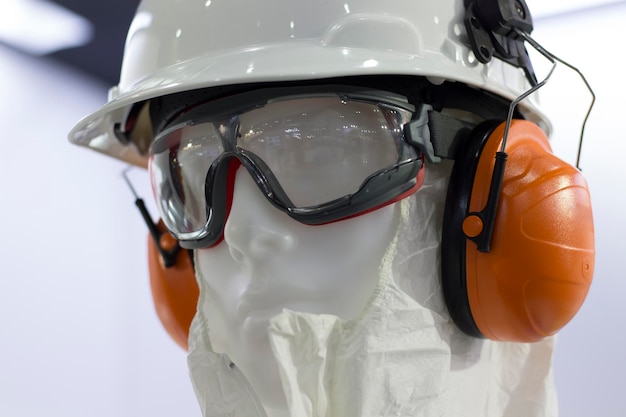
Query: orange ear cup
[
  {"x": 540, "y": 267},
  {"x": 174, "y": 289}
]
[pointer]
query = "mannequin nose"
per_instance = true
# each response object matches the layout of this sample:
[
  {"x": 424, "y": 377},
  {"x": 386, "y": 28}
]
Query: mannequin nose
[{"x": 255, "y": 229}]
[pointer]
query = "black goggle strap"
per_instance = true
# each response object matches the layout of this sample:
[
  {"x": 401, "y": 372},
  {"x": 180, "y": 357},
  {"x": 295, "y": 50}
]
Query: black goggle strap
[{"x": 436, "y": 135}]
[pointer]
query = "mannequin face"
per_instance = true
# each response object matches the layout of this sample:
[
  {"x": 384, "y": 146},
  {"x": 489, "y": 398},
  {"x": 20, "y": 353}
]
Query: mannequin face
[{"x": 269, "y": 262}]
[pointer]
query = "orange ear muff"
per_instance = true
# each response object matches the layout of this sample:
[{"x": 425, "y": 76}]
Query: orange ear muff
[
  {"x": 540, "y": 265},
  {"x": 174, "y": 289}
]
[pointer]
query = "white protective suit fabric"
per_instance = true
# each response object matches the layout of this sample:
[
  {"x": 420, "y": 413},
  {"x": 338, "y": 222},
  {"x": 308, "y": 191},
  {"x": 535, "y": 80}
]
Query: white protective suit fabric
[{"x": 402, "y": 357}]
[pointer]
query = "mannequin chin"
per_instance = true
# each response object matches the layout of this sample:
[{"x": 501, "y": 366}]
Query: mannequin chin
[{"x": 269, "y": 262}]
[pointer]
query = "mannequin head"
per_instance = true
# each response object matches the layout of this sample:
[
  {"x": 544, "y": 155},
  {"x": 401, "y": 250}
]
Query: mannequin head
[
  {"x": 269, "y": 262},
  {"x": 318, "y": 147}
]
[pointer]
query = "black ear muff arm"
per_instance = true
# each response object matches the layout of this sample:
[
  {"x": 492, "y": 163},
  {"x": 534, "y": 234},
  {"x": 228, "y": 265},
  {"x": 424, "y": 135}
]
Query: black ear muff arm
[
  {"x": 486, "y": 218},
  {"x": 167, "y": 246},
  {"x": 439, "y": 136},
  {"x": 165, "y": 243}
]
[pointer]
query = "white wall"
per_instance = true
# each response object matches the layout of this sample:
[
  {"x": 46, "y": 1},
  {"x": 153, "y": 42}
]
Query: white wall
[
  {"x": 79, "y": 336},
  {"x": 590, "y": 364},
  {"x": 78, "y": 333}
]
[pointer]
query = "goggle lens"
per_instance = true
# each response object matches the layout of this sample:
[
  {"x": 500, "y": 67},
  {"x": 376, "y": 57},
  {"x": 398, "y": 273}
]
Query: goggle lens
[
  {"x": 305, "y": 153},
  {"x": 316, "y": 148},
  {"x": 178, "y": 177}
]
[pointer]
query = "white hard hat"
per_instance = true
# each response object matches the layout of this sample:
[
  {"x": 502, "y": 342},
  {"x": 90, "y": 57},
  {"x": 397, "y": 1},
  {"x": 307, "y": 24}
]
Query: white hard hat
[{"x": 193, "y": 44}]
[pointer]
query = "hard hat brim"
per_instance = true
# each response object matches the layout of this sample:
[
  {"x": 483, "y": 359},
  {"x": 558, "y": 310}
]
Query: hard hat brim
[{"x": 299, "y": 60}]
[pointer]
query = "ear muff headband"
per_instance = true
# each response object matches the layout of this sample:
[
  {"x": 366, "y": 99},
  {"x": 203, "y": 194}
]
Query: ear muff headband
[
  {"x": 539, "y": 269},
  {"x": 174, "y": 289}
]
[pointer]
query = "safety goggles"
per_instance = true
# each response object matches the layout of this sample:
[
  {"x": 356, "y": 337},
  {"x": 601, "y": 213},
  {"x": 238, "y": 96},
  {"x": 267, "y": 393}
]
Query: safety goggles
[{"x": 318, "y": 155}]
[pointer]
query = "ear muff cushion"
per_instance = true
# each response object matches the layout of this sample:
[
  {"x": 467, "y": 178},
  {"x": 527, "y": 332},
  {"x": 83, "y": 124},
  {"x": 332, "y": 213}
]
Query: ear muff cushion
[
  {"x": 174, "y": 291},
  {"x": 453, "y": 268},
  {"x": 540, "y": 267}
]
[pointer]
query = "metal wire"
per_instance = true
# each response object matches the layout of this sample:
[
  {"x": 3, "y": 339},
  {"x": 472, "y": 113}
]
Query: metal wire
[{"x": 554, "y": 59}]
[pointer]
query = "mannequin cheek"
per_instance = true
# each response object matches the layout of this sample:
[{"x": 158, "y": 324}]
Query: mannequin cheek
[
  {"x": 219, "y": 278},
  {"x": 363, "y": 240},
  {"x": 340, "y": 266}
]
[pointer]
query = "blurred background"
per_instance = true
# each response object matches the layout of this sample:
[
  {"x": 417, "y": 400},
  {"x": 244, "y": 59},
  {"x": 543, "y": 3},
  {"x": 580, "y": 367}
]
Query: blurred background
[{"x": 78, "y": 332}]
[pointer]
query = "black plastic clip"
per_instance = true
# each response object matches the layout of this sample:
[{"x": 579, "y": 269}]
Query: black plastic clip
[{"x": 492, "y": 27}]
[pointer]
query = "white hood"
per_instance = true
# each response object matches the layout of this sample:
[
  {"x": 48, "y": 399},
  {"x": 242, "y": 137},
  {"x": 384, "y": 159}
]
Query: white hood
[{"x": 402, "y": 357}]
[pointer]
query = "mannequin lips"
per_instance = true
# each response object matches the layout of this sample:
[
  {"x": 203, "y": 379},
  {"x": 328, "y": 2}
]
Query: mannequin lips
[{"x": 265, "y": 301}]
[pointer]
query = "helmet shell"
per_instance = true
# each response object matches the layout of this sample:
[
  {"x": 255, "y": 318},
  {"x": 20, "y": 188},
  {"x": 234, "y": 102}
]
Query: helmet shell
[{"x": 175, "y": 46}]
